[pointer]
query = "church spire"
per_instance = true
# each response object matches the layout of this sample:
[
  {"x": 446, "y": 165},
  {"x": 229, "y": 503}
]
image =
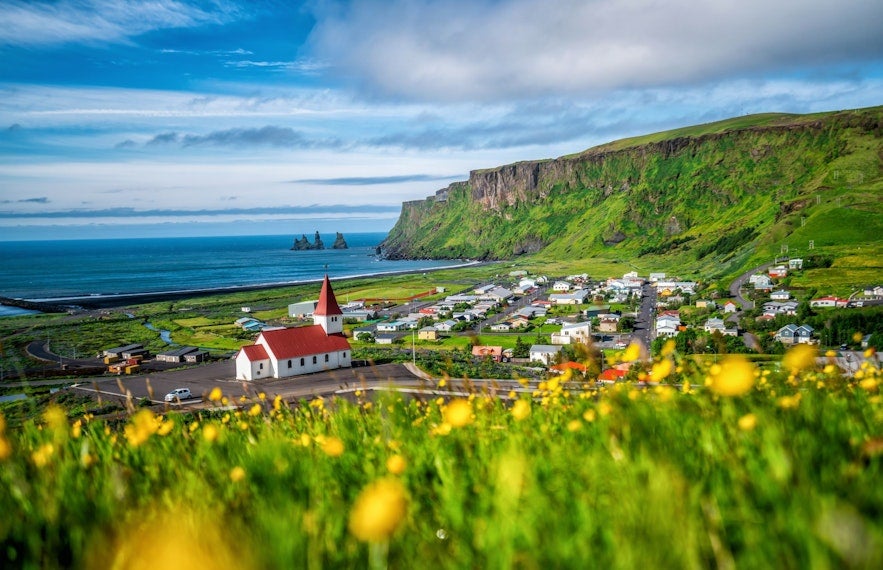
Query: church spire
[{"x": 327, "y": 312}]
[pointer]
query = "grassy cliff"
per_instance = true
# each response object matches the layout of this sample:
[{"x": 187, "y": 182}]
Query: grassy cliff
[{"x": 723, "y": 194}]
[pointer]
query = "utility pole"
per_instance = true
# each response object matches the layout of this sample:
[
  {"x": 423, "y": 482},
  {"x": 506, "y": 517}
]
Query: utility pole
[{"x": 413, "y": 347}]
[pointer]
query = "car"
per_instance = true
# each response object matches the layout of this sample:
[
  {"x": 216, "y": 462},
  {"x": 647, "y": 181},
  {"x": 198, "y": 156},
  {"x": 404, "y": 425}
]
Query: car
[{"x": 178, "y": 394}]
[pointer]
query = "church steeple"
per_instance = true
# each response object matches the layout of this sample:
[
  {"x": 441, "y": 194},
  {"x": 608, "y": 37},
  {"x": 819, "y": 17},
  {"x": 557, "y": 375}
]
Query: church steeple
[{"x": 327, "y": 312}]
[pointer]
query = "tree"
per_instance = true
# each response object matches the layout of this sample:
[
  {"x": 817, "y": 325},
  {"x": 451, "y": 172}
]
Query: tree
[{"x": 521, "y": 350}]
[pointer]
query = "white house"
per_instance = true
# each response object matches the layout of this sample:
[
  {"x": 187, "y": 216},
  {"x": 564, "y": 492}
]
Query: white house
[
  {"x": 780, "y": 295},
  {"x": 730, "y": 307},
  {"x": 778, "y": 272},
  {"x": 287, "y": 352},
  {"x": 578, "y": 297},
  {"x": 561, "y": 287},
  {"x": 761, "y": 281},
  {"x": 828, "y": 302},
  {"x": 795, "y": 263},
  {"x": 572, "y": 332},
  {"x": 544, "y": 353}
]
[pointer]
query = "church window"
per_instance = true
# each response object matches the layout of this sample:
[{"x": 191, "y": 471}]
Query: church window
[
  {"x": 289, "y": 364},
  {"x": 314, "y": 360},
  {"x": 301, "y": 361},
  {"x": 326, "y": 358}
]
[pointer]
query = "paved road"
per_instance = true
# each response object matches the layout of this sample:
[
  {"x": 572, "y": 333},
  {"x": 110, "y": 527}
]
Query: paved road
[
  {"x": 643, "y": 332},
  {"x": 200, "y": 380},
  {"x": 739, "y": 282}
]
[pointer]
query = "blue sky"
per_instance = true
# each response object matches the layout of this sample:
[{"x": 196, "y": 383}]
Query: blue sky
[{"x": 225, "y": 116}]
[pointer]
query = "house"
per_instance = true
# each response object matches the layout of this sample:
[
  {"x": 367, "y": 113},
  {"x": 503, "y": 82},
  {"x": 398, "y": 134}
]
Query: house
[
  {"x": 483, "y": 289},
  {"x": 667, "y": 323},
  {"x": 780, "y": 295},
  {"x": 494, "y": 352},
  {"x": 795, "y": 263},
  {"x": 543, "y": 353},
  {"x": 828, "y": 302},
  {"x": 794, "y": 334},
  {"x": 196, "y": 356},
  {"x": 577, "y": 297},
  {"x": 391, "y": 326},
  {"x": 446, "y": 326},
  {"x": 288, "y": 352},
  {"x": 386, "y": 338},
  {"x": 717, "y": 325},
  {"x": 730, "y": 307},
  {"x": 572, "y": 333},
  {"x": 654, "y": 277},
  {"x": 608, "y": 322},
  {"x": 705, "y": 304},
  {"x": 498, "y": 294},
  {"x": 502, "y": 326},
  {"x": 519, "y": 322},
  {"x": 428, "y": 333},
  {"x": 302, "y": 309},
  {"x": 612, "y": 375},
  {"x": 364, "y": 333},
  {"x": 561, "y": 287},
  {"x": 778, "y": 272},
  {"x": 119, "y": 351},
  {"x": 761, "y": 282},
  {"x": 176, "y": 355}
]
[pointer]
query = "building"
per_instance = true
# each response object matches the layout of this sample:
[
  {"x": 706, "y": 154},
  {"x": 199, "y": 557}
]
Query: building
[
  {"x": 778, "y": 272},
  {"x": 730, "y": 307},
  {"x": 794, "y": 334},
  {"x": 302, "y": 309},
  {"x": 428, "y": 333},
  {"x": 288, "y": 352},
  {"x": 780, "y": 295},
  {"x": 795, "y": 263},
  {"x": 176, "y": 355},
  {"x": 494, "y": 352},
  {"x": 828, "y": 302},
  {"x": 544, "y": 353}
]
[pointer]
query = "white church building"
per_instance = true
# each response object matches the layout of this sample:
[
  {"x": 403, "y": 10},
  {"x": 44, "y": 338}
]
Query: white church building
[{"x": 300, "y": 350}]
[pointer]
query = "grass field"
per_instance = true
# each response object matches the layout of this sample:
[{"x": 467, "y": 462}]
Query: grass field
[{"x": 757, "y": 470}]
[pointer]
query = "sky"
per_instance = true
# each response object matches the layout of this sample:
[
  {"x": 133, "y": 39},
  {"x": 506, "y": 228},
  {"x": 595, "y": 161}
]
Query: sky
[{"x": 226, "y": 117}]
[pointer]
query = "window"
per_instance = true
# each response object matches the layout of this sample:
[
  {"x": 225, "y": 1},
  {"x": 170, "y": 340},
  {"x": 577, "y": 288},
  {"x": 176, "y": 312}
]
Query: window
[
  {"x": 314, "y": 360},
  {"x": 344, "y": 355},
  {"x": 326, "y": 358},
  {"x": 301, "y": 361},
  {"x": 261, "y": 366},
  {"x": 289, "y": 364}
]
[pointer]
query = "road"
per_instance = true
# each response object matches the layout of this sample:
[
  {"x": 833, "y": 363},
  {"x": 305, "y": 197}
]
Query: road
[
  {"x": 739, "y": 282},
  {"x": 643, "y": 332}
]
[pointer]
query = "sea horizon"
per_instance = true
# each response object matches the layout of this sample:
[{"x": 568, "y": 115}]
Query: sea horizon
[{"x": 61, "y": 270}]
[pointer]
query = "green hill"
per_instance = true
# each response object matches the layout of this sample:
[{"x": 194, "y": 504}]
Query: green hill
[{"x": 720, "y": 195}]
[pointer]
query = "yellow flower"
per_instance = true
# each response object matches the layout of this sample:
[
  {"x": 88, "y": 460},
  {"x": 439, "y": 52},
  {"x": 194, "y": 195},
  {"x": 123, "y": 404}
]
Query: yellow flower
[
  {"x": 333, "y": 446},
  {"x": 255, "y": 410},
  {"x": 668, "y": 347},
  {"x": 520, "y": 409},
  {"x": 747, "y": 422},
  {"x": 734, "y": 377},
  {"x": 215, "y": 395},
  {"x": 166, "y": 427},
  {"x": 77, "y": 429},
  {"x": 633, "y": 352},
  {"x": 458, "y": 413},
  {"x": 800, "y": 357},
  {"x": 857, "y": 336},
  {"x": 869, "y": 352},
  {"x": 574, "y": 425},
  {"x": 443, "y": 382},
  {"x": 378, "y": 511},
  {"x": 661, "y": 369},
  {"x": 42, "y": 456},
  {"x": 210, "y": 432},
  {"x": 5, "y": 448},
  {"x": 237, "y": 474},
  {"x": 277, "y": 403},
  {"x": 589, "y": 416},
  {"x": 868, "y": 384},
  {"x": 788, "y": 402},
  {"x": 396, "y": 464},
  {"x": 55, "y": 418},
  {"x": 141, "y": 427}
]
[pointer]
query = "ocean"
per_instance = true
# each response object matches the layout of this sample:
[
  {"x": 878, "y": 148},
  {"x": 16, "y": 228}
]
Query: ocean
[{"x": 59, "y": 270}]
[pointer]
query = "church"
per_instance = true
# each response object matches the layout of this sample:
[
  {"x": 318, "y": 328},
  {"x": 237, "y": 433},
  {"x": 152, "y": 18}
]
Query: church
[{"x": 281, "y": 353}]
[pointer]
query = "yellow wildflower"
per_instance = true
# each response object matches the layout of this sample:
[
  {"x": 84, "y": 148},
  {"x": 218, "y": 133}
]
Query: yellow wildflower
[
  {"x": 857, "y": 336},
  {"x": 378, "y": 511},
  {"x": 255, "y": 410},
  {"x": 42, "y": 456},
  {"x": 589, "y": 416},
  {"x": 747, "y": 422},
  {"x": 443, "y": 382},
  {"x": 520, "y": 409},
  {"x": 661, "y": 369},
  {"x": 215, "y": 395},
  {"x": 55, "y": 418},
  {"x": 77, "y": 429},
  {"x": 869, "y": 384},
  {"x": 166, "y": 427},
  {"x": 668, "y": 348},
  {"x": 210, "y": 432},
  {"x": 574, "y": 425},
  {"x": 443, "y": 429},
  {"x": 633, "y": 352},
  {"x": 237, "y": 474},
  {"x": 333, "y": 446},
  {"x": 141, "y": 427},
  {"x": 788, "y": 402},
  {"x": 869, "y": 353},
  {"x": 458, "y": 413},
  {"x": 396, "y": 464},
  {"x": 800, "y": 357},
  {"x": 5, "y": 448},
  {"x": 734, "y": 378}
]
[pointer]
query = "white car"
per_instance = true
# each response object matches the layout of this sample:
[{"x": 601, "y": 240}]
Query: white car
[{"x": 178, "y": 394}]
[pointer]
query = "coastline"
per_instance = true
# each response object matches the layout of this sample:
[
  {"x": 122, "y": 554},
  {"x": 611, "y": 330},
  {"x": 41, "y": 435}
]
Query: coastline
[{"x": 127, "y": 299}]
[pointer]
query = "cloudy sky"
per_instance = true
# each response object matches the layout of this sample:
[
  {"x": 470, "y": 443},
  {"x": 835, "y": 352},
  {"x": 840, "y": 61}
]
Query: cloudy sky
[{"x": 198, "y": 117}]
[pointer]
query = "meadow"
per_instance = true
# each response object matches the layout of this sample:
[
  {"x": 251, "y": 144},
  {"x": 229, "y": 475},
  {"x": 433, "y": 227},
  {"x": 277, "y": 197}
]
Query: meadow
[{"x": 727, "y": 466}]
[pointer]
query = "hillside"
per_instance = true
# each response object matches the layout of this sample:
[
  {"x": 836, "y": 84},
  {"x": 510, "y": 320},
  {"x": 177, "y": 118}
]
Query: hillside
[{"x": 722, "y": 194}]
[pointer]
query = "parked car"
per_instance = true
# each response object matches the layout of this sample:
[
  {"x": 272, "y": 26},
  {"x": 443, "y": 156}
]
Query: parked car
[{"x": 178, "y": 394}]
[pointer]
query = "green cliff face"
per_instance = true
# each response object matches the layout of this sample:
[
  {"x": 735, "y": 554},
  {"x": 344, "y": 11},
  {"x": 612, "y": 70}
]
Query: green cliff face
[{"x": 698, "y": 194}]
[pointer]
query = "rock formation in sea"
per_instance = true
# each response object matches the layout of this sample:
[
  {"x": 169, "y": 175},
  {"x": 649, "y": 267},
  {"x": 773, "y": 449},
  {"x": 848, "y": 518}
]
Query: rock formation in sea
[
  {"x": 302, "y": 243},
  {"x": 339, "y": 242}
]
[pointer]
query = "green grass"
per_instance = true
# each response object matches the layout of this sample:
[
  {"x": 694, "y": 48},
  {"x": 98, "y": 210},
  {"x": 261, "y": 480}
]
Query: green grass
[{"x": 623, "y": 478}]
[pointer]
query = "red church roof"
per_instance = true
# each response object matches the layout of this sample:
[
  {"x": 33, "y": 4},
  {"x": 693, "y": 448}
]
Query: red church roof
[
  {"x": 255, "y": 352},
  {"x": 327, "y": 304},
  {"x": 303, "y": 341}
]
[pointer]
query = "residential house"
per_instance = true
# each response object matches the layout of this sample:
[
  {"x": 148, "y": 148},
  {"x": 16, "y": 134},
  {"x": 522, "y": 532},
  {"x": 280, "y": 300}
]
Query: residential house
[
  {"x": 794, "y": 334},
  {"x": 577, "y": 297},
  {"x": 502, "y": 326},
  {"x": 730, "y": 307},
  {"x": 176, "y": 355},
  {"x": 301, "y": 350},
  {"x": 717, "y": 325},
  {"x": 608, "y": 322},
  {"x": 364, "y": 333},
  {"x": 498, "y": 294},
  {"x": 761, "y": 282},
  {"x": 484, "y": 289},
  {"x": 494, "y": 352},
  {"x": 391, "y": 326},
  {"x": 386, "y": 338},
  {"x": 654, "y": 277},
  {"x": 795, "y": 263},
  {"x": 778, "y": 272},
  {"x": 780, "y": 295},
  {"x": 668, "y": 323},
  {"x": 705, "y": 304},
  {"x": 445, "y": 326},
  {"x": 428, "y": 333},
  {"x": 544, "y": 353},
  {"x": 572, "y": 333},
  {"x": 570, "y": 365},
  {"x": 561, "y": 287},
  {"x": 828, "y": 302}
]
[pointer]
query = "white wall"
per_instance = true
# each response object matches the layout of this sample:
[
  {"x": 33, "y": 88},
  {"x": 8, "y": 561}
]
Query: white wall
[{"x": 342, "y": 359}]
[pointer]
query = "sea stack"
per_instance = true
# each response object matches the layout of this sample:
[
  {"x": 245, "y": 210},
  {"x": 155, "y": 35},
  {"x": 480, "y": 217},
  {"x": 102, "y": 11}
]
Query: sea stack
[
  {"x": 339, "y": 242},
  {"x": 303, "y": 244}
]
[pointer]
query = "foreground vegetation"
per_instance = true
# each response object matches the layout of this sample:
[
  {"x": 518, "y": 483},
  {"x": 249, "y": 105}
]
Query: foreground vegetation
[{"x": 732, "y": 466}]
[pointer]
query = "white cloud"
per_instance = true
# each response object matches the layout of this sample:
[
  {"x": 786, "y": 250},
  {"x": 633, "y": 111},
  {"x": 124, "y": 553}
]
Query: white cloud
[
  {"x": 30, "y": 22},
  {"x": 520, "y": 49}
]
